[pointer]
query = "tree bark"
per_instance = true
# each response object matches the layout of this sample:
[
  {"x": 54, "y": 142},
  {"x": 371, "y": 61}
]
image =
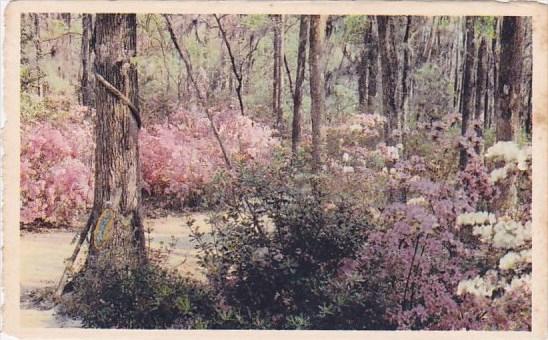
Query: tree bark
[
  {"x": 299, "y": 80},
  {"x": 372, "y": 68},
  {"x": 277, "y": 83},
  {"x": 467, "y": 104},
  {"x": 481, "y": 76},
  {"x": 494, "y": 64},
  {"x": 38, "y": 51},
  {"x": 405, "y": 72},
  {"x": 117, "y": 172},
  {"x": 367, "y": 70},
  {"x": 316, "y": 63},
  {"x": 509, "y": 100},
  {"x": 389, "y": 69},
  {"x": 85, "y": 82}
]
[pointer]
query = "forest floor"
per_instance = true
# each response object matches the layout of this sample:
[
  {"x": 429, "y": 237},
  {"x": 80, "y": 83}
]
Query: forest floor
[{"x": 43, "y": 255}]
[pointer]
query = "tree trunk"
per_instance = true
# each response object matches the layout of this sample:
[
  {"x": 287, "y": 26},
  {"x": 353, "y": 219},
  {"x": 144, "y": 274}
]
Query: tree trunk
[
  {"x": 367, "y": 70},
  {"x": 117, "y": 174},
  {"x": 389, "y": 69},
  {"x": 509, "y": 100},
  {"x": 456, "y": 91},
  {"x": 481, "y": 76},
  {"x": 277, "y": 84},
  {"x": 299, "y": 80},
  {"x": 85, "y": 83},
  {"x": 405, "y": 72},
  {"x": 528, "y": 78},
  {"x": 467, "y": 104},
  {"x": 494, "y": 65},
  {"x": 362, "y": 77},
  {"x": 237, "y": 74},
  {"x": 316, "y": 63},
  {"x": 373, "y": 57},
  {"x": 38, "y": 51}
]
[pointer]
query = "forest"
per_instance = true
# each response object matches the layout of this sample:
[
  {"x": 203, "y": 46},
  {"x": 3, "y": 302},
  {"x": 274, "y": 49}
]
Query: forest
[{"x": 222, "y": 171}]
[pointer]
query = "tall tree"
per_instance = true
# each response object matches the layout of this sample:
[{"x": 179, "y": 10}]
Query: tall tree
[
  {"x": 494, "y": 73},
  {"x": 367, "y": 69},
  {"x": 467, "y": 103},
  {"x": 405, "y": 72},
  {"x": 85, "y": 83},
  {"x": 509, "y": 101},
  {"x": 117, "y": 172},
  {"x": 38, "y": 51},
  {"x": 389, "y": 70},
  {"x": 316, "y": 63},
  {"x": 277, "y": 81},
  {"x": 237, "y": 73},
  {"x": 373, "y": 57},
  {"x": 299, "y": 80},
  {"x": 481, "y": 78}
]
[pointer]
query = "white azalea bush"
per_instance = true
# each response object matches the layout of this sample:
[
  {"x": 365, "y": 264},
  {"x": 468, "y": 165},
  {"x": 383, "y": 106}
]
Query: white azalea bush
[{"x": 504, "y": 235}]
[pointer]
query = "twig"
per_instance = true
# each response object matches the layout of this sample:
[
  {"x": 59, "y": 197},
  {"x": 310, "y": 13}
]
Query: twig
[
  {"x": 59, "y": 36},
  {"x": 122, "y": 97},
  {"x": 237, "y": 74},
  {"x": 289, "y": 76},
  {"x": 82, "y": 238}
]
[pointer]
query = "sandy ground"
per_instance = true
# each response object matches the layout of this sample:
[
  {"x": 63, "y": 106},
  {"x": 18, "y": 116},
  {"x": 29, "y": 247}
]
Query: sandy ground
[{"x": 43, "y": 256}]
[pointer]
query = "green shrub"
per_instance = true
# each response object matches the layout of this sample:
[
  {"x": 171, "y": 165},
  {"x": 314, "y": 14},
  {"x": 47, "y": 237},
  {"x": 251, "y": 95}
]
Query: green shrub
[
  {"x": 281, "y": 241},
  {"x": 144, "y": 297}
]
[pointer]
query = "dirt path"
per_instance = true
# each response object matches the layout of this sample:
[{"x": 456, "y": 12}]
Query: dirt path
[{"x": 43, "y": 255}]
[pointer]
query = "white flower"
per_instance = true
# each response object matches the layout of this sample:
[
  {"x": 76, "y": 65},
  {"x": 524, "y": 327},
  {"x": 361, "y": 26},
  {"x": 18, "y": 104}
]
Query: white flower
[
  {"x": 476, "y": 218},
  {"x": 512, "y": 154},
  {"x": 508, "y": 151},
  {"x": 477, "y": 286},
  {"x": 509, "y": 260},
  {"x": 417, "y": 201},
  {"x": 510, "y": 234},
  {"x": 513, "y": 259},
  {"x": 519, "y": 282},
  {"x": 500, "y": 173},
  {"x": 355, "y": 127},
  {"x": 485, "y": 232},
  {"x": 347, "y": 169},
  {"x": 346, "y": 157}
]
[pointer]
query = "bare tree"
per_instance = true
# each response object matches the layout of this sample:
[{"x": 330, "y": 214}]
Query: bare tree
[
  {"x": 85, "y": 82},
  {"x": 316, "y": 62},
  {"x": 299, "y": 80},
  {"x": 405, "y": 72},
  {"x": 237, "y": 73},
  {"x": 467, "y": 103},
  {"x": 277, "y": 79}
]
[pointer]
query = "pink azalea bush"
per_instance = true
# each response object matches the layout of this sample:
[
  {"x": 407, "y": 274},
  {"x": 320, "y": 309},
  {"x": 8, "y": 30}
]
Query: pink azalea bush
[
  {"x": 177, "y": 158},
  {"x": 56, "y": 169},
  {"x": 182, "y": 155}
]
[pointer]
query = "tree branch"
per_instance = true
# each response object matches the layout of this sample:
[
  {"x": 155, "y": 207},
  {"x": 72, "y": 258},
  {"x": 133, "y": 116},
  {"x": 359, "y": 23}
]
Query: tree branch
[
  {"x": 183, "y": 54},
  {"x": 134, "y": 111},
  {"x": 237, "y": 74},
  {"x": 289, "y": 76}
]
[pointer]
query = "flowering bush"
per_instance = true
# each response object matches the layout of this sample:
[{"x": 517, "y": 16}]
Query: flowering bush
[
  {"x": 178, "y": 158},
  {"x": 502, "y": 295},
  {"x": 182, "y": 155},
  {"x": 56, "y": 170}
]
